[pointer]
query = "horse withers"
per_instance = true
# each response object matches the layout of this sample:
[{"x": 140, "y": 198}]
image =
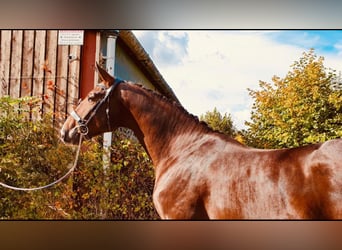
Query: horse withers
[{"x": 202, "y": 174}]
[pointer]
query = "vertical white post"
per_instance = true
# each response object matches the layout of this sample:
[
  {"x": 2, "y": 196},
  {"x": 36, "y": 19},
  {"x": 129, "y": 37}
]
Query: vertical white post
[{"x": 110, "y": 65}]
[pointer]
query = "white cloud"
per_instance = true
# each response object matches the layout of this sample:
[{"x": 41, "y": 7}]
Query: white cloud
[
  {"x": 338, "y": 46},
  {"x": 165, "y": 47},
  {"x": 208, "y": 69}
]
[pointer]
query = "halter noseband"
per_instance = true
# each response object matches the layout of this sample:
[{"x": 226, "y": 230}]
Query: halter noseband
[{"x": 82, "y": 123}]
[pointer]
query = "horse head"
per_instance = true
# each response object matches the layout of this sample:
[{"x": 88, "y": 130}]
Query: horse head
[{"x": 93, "y": 115}]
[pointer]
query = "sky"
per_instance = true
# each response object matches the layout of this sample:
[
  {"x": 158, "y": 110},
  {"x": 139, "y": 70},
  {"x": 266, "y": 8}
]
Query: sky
[{"x": 215, "y": 68}]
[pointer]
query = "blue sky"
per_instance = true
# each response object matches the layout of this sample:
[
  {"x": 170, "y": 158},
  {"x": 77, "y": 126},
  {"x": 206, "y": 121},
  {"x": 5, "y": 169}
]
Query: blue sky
[
  {"x": 324, "y": 41},
  {"x": 208, "y": 69}
]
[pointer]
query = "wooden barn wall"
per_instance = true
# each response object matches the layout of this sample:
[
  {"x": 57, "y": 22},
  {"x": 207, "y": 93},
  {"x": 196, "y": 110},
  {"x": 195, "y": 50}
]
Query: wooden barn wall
[{"x": 32, "y": 64}]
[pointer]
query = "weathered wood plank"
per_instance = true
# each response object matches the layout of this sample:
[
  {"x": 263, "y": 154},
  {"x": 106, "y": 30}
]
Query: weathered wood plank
[
  {"x": 61, "y": 84},
  {"x": 73, "y": 77},
  {"x": 15, "y": 68},
  {"x": 27, "y": 63},
  {"x": 50, "y": 71},
  {"x": 38, "y": 67},
  {"x": 39, "y": 61},
  {"x": 5, "y": 54}
]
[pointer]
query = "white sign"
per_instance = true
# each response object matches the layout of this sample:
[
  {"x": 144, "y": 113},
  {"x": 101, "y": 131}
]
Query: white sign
[{"x": 70, "y": 37}]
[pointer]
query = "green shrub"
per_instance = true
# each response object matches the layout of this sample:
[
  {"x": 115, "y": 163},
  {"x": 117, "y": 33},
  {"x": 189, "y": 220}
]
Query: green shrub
[
  {"x": 31, "y": 155},
  {"x": 123, "y": 190}
]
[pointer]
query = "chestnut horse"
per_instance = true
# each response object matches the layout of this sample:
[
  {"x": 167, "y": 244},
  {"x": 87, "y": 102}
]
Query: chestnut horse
[{"x": 202, "y": 174}]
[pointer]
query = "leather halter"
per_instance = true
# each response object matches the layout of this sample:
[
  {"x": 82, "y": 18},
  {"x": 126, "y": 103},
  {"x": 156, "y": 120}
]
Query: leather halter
[{"x": 82, "y": 122}]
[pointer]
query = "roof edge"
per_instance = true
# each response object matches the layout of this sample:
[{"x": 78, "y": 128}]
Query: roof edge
[{"x": 146, "y": 62}]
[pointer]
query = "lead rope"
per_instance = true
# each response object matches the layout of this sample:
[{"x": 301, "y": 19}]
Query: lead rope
[{"x": 52, "y": 183}]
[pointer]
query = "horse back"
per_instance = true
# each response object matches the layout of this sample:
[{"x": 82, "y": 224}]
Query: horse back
[{"x": 297, "y": 183}]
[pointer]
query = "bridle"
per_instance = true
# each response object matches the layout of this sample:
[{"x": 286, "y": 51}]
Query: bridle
[
  {"x": 83, "y": 130},
  {"x": 82, "y": 123}
]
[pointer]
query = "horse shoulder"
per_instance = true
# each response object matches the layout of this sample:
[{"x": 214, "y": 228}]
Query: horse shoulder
[{"x": 180, "y": 177}]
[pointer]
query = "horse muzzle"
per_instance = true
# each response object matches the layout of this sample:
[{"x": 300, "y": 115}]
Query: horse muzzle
[{"x": 71, "y": 136}]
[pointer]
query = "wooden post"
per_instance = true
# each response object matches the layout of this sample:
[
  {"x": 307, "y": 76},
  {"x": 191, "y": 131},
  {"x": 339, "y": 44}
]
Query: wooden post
[{"x": 89, "y": 56}]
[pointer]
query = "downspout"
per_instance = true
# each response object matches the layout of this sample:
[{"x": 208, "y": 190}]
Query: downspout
[{"x": 110, "y": 67}]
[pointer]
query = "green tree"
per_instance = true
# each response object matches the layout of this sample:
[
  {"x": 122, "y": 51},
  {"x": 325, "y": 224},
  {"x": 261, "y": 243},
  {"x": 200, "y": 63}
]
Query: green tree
[
  {"x": 302, "y": 108},
  {"x": 218, "y": 122}
]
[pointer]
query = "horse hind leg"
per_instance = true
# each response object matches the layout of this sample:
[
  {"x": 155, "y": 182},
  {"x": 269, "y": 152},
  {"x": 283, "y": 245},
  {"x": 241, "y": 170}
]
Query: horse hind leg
[
  {"x": 319, "y": 203},
  {"x": 200, "y": 212}
]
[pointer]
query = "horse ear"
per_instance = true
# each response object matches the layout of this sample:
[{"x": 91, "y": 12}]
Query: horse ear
[{"x": 105, "y": 76}]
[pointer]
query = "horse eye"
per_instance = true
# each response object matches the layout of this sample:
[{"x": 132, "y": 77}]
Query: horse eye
[
  {"x": 91, "y": 97},
  {"x": 94, "y": 97}
]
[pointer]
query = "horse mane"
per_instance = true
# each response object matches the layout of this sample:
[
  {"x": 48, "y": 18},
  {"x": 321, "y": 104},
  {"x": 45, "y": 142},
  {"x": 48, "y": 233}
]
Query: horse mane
[{"x": 202, "y": 125}]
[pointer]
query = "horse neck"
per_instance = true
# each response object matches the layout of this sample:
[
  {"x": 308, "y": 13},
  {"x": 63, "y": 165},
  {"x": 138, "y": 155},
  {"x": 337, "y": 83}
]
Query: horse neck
[{"x": 155, "y": 120}]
